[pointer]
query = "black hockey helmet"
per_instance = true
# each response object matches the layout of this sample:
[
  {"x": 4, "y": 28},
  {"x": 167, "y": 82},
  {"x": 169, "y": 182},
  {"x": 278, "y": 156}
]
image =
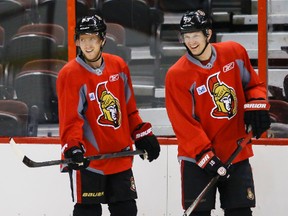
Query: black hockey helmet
[
  {"x": 193, "y": 21},
  {"x": 90, "y": 24}
]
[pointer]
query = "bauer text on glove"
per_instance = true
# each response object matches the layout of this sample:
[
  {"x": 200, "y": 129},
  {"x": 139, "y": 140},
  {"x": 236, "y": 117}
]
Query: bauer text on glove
[
  {"x": 209, "y": 162},
  {"x": 257, "y": 116},
  {"x": 146, "y": 140}
]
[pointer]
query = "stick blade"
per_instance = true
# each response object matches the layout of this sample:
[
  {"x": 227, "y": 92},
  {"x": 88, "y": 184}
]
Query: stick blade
[
  {"x": 20, "y": 154},
  {"x": 28, "y": 162},
  {"x": 15, "y": 149}
]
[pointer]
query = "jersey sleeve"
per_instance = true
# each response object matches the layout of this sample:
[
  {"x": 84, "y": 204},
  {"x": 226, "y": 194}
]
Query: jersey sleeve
[
  {"x": 69, "y": 104},
  {"x": 253, "y": 86},
  {"x": 132, "y": 111}
]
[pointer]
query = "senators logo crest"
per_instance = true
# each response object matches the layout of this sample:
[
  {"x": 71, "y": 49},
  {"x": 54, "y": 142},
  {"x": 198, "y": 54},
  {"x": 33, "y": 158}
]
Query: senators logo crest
[
  {"x": 110, "y": 107},
  {"x": 224, "y": 98}
]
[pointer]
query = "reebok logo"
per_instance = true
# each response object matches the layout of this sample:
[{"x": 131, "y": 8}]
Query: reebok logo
[
  {"x": 114, "y": 77},
  {"x": 228, "y": 67}
]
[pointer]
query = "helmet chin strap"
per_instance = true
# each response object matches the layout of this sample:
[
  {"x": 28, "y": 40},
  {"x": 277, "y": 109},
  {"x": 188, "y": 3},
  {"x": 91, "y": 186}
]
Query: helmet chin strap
[
  {"x": 195, "y": 56},
  {"x": 95, "y": 59}
]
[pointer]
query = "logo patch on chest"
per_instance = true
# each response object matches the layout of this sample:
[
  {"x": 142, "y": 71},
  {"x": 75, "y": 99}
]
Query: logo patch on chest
[
  {"x": 109, "y": 106},
  {"x": 114, "y": 77},
  {"x": 201, "y": 89},
  {"x": 223, "y": 96},
  {"x": 228, "y": 67},
  {"x": 92, "y": 96}
]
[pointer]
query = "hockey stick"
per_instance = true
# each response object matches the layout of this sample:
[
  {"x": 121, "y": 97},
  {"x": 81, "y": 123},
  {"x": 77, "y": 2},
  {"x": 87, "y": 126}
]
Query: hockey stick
[
  {"x": 32, "y": 164},
  {"x": 241, "y": 143}
]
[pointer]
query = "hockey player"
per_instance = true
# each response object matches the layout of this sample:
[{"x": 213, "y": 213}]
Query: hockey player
[
  {"x": 98, "y": 115},
  {"x": 206, "y": 90}
]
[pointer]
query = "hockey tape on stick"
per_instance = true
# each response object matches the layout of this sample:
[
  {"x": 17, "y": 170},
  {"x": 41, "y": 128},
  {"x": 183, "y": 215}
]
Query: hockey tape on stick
[
  {"x": 32, "y": 164},
  {"x": 240, "y": 145}
]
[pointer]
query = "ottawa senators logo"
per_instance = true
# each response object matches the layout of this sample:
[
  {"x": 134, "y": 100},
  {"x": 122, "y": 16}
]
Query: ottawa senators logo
[
  {"x": 132, "y": 184},
  {"x": 224, "y": 98},
  {"x": 110, "y": 107}
]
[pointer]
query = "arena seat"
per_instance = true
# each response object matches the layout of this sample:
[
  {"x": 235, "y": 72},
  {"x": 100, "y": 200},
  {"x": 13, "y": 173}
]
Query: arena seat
[
  {"x": 38, "y": 88},
  {"x": 279, "y": 110},
  {"x": 44, "y": 64},
  {"x": 16, "y": 119},
  {"x": 116, "y": 41},
  {"x": 2, "y": 37},
  {"x": 55, "y": 30},
  {"x": 140, "y": 21},
  {"x": 52, "y": 11},
  {"x": 276, "y": 92},
  {"x": 136, "y": 16},
  {"x": 1, "y": 75},
  {"x": 5, "y": 92},
  {"x": 285, "y": 86},
  {"x": 25, "y": 47},
  {"x": 42, "y": 74},
  {"x": 113, "y": 47},
  {"x": 82, "y": 8},
  {"x": 118, "y": 31},
  {"x": 86, "y": 8},
  {"x": 13, "y": 14},
  {"x": 181, "y": 6},
  {"x": 9, "y": 125},
  {"x": 2, "y": 42},
  {"x": 1, "y": 72},
  {"x": 232, "y": 6}
]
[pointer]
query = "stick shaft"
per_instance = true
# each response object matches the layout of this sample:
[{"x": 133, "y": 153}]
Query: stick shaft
[
  {"x": 30, "y": 163},
  {"x": 240, "y": 144}
]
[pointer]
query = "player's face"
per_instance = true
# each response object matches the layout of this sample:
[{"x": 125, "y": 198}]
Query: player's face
[
  {"x": 195, "y": 41},
  {"x": 113, "y": 111},
  {"x": 90, "y": 45}
]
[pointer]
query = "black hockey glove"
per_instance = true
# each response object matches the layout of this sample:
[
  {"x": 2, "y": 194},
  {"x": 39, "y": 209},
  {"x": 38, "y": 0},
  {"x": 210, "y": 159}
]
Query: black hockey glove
[
  {"x": 146, "y": 140},
  {"x": 257, "y": 116},
  {"x": 209, "y": 162},
  {"x": 77, "y": 155}
]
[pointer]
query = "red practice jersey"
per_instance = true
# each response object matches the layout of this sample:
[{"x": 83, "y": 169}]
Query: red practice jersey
[
  {"x": 205, "y": 102},
  {"x": 97, "y": 108}
]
